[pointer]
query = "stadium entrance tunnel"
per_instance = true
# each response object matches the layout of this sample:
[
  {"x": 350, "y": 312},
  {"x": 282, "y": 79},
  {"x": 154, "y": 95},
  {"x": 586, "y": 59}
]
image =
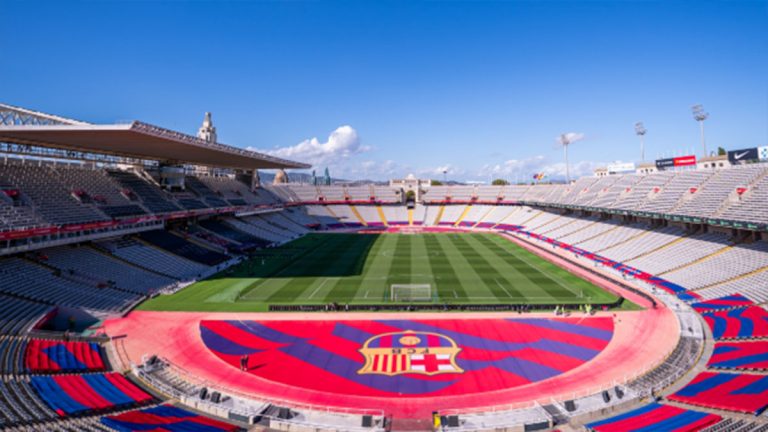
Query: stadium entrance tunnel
[{"x": 68, "y": 319}]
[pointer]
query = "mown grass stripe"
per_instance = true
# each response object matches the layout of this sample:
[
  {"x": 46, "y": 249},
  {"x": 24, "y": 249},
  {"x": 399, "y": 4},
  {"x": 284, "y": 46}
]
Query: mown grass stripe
[
  {"x": 489, "y": 273},
  {"x": 401, "y": 263},
  {"x": 378, "y": 265},
  {"x": 357, "y": 268},
  {"x": 568, "y": 284},
  {"x": 469, "y": 284},
  {"x": 547, "y": 282},
  {"x": 509, "y": 282},
  {"x": 446, "y": 280},
  {"x": 322, "y": 261},
  {"x": 535, "y": 279},
  {"x": 348, "y": 265},
  {"x": 421, "y": 270}
]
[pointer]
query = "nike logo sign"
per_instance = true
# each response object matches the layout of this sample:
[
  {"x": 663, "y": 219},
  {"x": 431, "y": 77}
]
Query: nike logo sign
[{"x": 738, "y": 156}]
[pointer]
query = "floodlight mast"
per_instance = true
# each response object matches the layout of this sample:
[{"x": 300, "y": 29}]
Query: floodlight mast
[
  {"x": 700, "y": 115},
  {"x": 565, "y": 141},
  {"x": 640, "y": 131}
]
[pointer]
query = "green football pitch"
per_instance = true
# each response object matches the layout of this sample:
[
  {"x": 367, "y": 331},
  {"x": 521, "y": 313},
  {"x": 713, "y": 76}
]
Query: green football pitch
[{"x": 469, "y": 268}]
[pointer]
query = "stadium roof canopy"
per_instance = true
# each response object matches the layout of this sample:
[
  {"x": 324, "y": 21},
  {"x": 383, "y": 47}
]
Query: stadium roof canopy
[{"x": 135, "y": 140}]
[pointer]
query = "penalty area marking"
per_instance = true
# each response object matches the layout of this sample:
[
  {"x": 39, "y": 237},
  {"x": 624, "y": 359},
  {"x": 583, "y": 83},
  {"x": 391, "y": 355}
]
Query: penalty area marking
[
  {"x": 502, "y": 287},
  {"x": 318, "y": 288},
  {"x": 554, "y": 278}
]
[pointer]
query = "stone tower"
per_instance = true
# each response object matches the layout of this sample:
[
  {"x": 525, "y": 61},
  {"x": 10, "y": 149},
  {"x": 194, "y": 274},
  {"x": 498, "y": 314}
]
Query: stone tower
[{"x": 207, "y": 131}]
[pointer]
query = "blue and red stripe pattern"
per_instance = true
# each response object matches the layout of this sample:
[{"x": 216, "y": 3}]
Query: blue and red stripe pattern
[
  {"x": 75, "y": 394},
  {"x": 656, "y": 417},
  {"x": 507, "y": 227},
  {"x": 731, "y": 392},
  {"x": 722, "y": 303},
  {"x": 670, "y": 287},
  {"x": 165, "y": 418},
  {"x": 489, "y": 354},
  {"x": 747, "y": 355},
  {"x": 50, "y": 356},
  {"x": 486, "y": 225},
  {"x": 750, "y": 322}
]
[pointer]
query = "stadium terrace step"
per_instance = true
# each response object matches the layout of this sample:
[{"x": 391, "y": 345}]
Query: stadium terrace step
[
  {"x": 656, "y": 417},
  {"x": 700, "y": 260},
  {"x": 726, "y": 391},
  {"x": 76, "y": 394},
  {"x": 181, "y": 247},
  {"x": 48, "y": 356},
  {"x": 151, "y": 196},
  {"x": 654, "y": 250},
  {"x": 746, "y": 323},
  {"x": 165, "y": 417},
  {"x": 743, "y": 356},
  {"x": 750, "y": 274},
  {"x": 722, "y": 303},
  {"x": 549, "y": 229},
  {"x": 537, "y": 213}
]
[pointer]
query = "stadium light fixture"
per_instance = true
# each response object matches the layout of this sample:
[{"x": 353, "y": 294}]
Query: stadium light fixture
[
  {"x": 640, "y": 131},
  {"x": 700, "y": 115}
]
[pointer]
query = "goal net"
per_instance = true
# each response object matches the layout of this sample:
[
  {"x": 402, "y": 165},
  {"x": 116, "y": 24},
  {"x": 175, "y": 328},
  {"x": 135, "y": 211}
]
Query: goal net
[{"x": 410, "y": 292}]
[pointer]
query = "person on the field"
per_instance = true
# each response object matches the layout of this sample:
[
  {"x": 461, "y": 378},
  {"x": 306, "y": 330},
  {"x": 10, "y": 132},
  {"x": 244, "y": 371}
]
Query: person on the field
[{"x": 244, "y": 363}]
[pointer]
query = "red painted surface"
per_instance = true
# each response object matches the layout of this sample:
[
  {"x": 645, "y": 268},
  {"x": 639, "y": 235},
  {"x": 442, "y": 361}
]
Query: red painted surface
[
  {"x": 477, "y": 356},
  {"x": 641, "y": 340}
]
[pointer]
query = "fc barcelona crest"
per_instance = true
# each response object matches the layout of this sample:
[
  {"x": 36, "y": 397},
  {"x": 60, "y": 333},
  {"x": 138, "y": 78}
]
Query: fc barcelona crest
[{"x": 410, "y": 352}]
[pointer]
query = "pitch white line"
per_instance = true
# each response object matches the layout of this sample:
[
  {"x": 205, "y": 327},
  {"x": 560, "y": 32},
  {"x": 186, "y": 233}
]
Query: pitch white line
[
  {"x": 455, "y": 295},
  {"x": 549, "y": 276},
  {"x": 366, "y": 293},
  {"x": 502, "y": 287},
  {"x": 318, "y": 288}
]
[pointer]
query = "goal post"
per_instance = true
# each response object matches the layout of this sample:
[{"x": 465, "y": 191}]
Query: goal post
[{"x": 410, "y": 292}]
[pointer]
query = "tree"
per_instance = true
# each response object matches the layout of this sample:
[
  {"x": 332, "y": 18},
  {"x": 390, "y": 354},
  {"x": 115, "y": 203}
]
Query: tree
[
  {"x": 436, "y": 183},
  {"x": 721, "y": 151},
  {"x": 499, "y": 182},
  {"x": 410, "y": 195}
]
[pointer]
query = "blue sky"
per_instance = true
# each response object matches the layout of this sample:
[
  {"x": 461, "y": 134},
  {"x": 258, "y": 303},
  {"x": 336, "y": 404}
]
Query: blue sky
[{"x": 382, "y": 89}]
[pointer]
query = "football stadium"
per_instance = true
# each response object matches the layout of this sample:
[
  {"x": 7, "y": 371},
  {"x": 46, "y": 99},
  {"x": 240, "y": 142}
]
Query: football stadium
[
  {"x": 375, "y": 216},
  {"x": 152, "y": 281}
]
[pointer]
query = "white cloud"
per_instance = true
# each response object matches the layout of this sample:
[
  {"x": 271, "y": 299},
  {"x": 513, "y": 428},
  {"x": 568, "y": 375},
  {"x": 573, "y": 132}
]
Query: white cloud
[
  {"x": 341, "y": 144},
  {"x": 513, "y": 166},
  {"x": 523, "y": 169},
  {"x": 437, "y": 172},
  {"x": 578, "y": 169},
  {"x": 570, "y": 137},
  {"x": 348, "y": 158}
]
